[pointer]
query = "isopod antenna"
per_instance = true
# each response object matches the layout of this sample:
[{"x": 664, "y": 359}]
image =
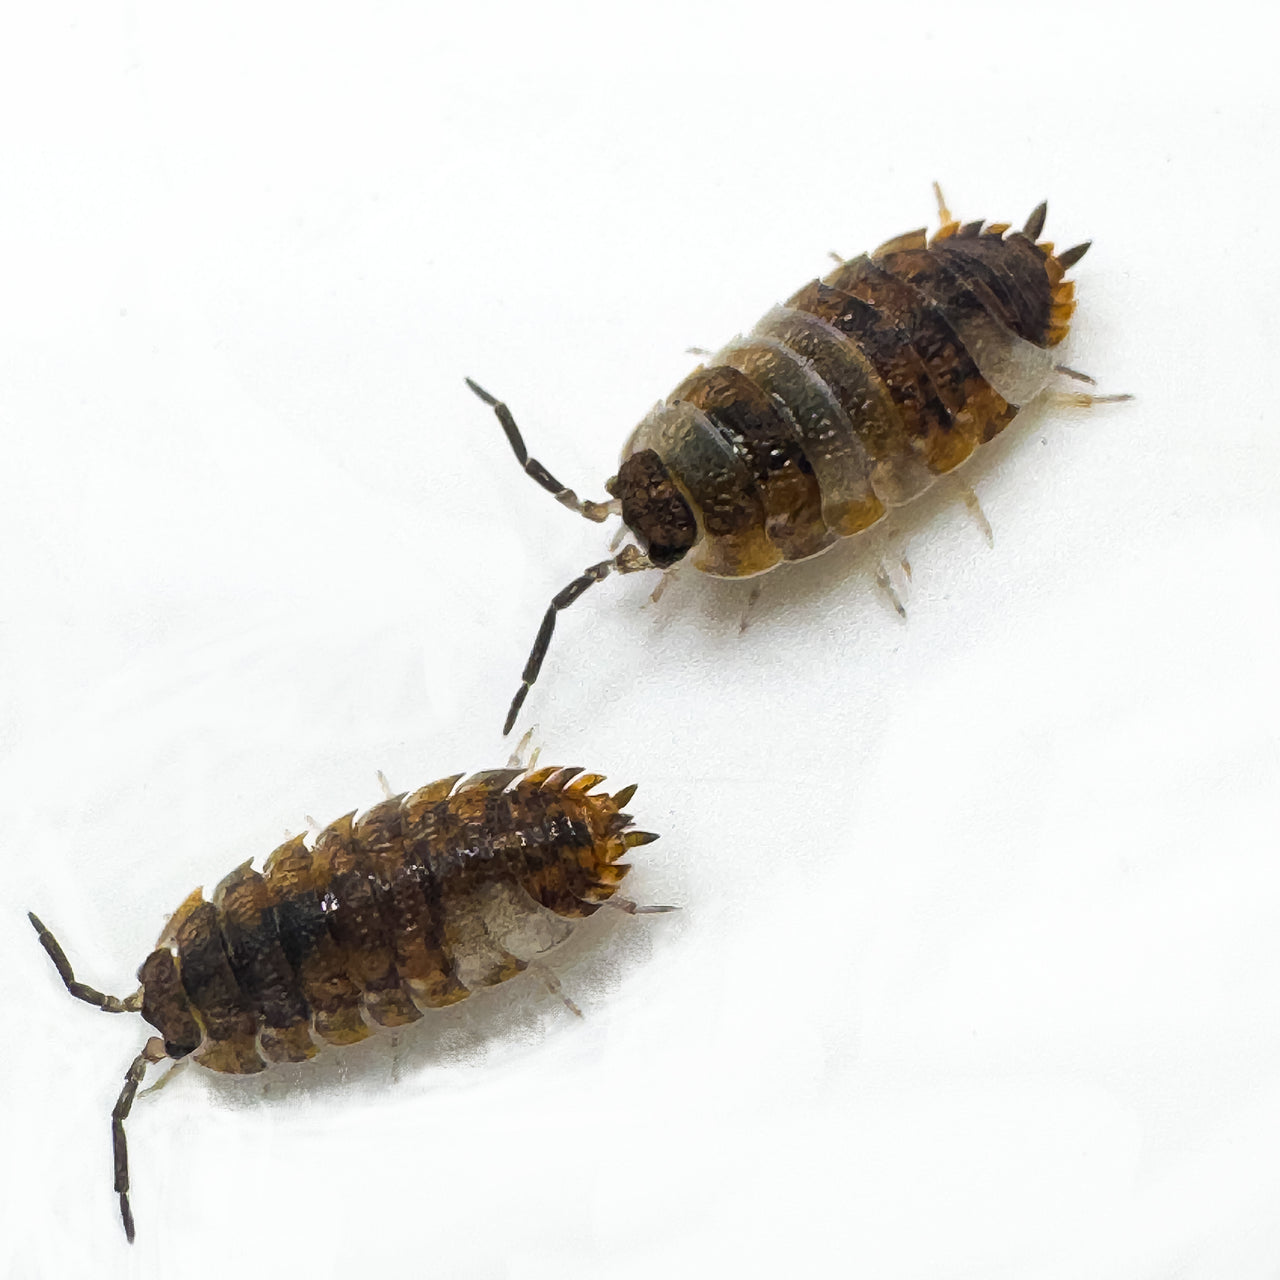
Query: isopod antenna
[
  {"x": 629, "y": 560},
  {"x": 108, "y": 1004},
  {"x": 597, "y": 511},
  {"x": 153, "y": 1052}
]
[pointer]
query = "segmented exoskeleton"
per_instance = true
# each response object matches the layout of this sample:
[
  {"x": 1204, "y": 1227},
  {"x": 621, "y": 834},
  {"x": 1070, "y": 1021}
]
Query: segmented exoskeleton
[
  {"x": 412, "y": 905},
  {"x": 849, "y": 399}
]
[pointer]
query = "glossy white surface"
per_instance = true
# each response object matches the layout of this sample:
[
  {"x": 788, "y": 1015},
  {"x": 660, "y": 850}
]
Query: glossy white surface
[{"x": 977, "y": 971}]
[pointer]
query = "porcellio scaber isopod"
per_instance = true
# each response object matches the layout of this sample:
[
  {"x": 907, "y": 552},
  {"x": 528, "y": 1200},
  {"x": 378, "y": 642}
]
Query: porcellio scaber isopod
[
  {"x": 412, "y": 905},
  {"x": 850, "y": 398}
]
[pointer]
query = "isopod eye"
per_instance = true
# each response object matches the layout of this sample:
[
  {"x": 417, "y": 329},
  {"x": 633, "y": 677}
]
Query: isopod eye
[{"x": 654, "y": 509}]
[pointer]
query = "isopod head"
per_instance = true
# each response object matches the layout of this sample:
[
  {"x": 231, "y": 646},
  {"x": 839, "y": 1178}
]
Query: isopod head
[{"x": 654, "y": 509}]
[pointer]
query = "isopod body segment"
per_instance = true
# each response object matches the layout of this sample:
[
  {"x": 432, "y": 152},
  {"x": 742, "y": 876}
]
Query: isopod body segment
[{"x": 413, "y": 904}]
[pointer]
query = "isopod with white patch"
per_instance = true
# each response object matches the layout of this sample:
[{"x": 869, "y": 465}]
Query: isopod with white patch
[{"x": 851, "y": 398}]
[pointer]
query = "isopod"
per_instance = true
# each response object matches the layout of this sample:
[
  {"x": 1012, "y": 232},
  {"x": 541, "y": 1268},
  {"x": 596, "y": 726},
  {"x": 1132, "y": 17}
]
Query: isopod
[
  {"x": 412, "y": 905},
  {"x": 850, "y": 398}
]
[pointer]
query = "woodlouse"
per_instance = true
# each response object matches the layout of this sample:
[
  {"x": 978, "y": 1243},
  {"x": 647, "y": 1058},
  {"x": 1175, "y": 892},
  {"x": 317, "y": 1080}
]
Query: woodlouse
[
  {"x": 413, "y": 904},
  {"x": 852, "y": 397}
]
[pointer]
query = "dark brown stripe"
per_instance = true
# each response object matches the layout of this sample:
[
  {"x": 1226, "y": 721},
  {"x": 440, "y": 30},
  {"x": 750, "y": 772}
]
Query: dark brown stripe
[
  {"x": 1005, "y": 269},
  {"x": 979, "y": 412},
  {"x": 421, "y": 955},
  {"x": 261, "y": 970},
  {"x": 976, "y": 272},
  {"x": 765, "y": 439},
  {"x": 436, "y": 843},
  {"x": 1030, "y": 271},
  {"x": 960, "y": 298},
  {"x": 823, "y": 430},
  {"x": 896, "y": 362},
  {"x": 715, "y": 477},
  {"x": 229, "y": 1021},
  {"x": 409, "y": 906},
  {"x": 302, "y": 921},
  {"x": 877, "y": 421},
  {"x": 357, "y": 926},
  {"x": 560, "y": 853},
  {"x": 918, "y": 322},
  {"x": 469, "y": 847}
]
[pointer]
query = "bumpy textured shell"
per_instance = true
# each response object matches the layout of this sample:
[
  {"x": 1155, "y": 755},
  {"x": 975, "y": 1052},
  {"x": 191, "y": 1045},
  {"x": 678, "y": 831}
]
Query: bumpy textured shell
[
  {"x": 855, "y": 394},
  {"x": 414, "y": 904}
]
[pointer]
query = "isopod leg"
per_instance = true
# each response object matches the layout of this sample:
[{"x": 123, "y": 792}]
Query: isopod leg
[
  {"x": 668, "y": 575},
  {"x": 153, "y": 1052},
  {"x": 756, "y": 592},
  {"x": 630, "y": 908},
  {"x": 629, "y": 560},
  {"x": 552, "y": 984},
  {"x": 522, "y": 757},
  {"x": 1083, "y": 400},
  {"x": 885, "y": 583},
  {"x": 970, "y": 500},
  {"x": 175, "y": 1068},
  {"x": 108, "y": 1004},
  {"x": 597, "y": 511}
]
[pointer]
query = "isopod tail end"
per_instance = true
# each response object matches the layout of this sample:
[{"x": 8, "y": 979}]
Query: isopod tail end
[
  {"x": 1069, "y": 257},
  {"x": 1062, "y": 295},
  {"x": 1035, "y": 223}
]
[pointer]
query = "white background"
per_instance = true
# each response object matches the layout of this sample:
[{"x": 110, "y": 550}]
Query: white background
[{"x": 978, "y": 973}]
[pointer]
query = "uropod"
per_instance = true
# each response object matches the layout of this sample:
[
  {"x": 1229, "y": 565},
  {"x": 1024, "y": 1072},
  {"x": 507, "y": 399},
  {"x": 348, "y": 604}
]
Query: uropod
[
  {"x": 849, "y": 399},
  {"x": 411, "y": 905}
]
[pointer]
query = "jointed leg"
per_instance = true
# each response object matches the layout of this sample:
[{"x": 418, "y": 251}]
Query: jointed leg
[
  {"x": 1083, "y": 400},
  {"x": 108, "y": 1004},
  {"x": 628, "y": 560},
  {"x": 522, "y": 757},
  {"x": 597, "y": 511},
  {"x": 175, "y": 1069},
  {"x": 635, "y": 908},
  {"x": 970, "y": 500},
  {"x": 552, "y": 984},
  {"x": 154, "y": 1052},
  {"x": 756, "y": 592},
  {"x": 885, "y": 583},
  {"x": 668, "y": 576},
  {"x": 945, "y": 217}
]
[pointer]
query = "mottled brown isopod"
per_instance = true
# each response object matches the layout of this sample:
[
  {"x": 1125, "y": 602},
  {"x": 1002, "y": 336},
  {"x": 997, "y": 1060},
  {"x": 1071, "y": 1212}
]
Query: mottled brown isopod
[
  {"x": 849, "y": 399},
  {"x": 412, "y": 905}
]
